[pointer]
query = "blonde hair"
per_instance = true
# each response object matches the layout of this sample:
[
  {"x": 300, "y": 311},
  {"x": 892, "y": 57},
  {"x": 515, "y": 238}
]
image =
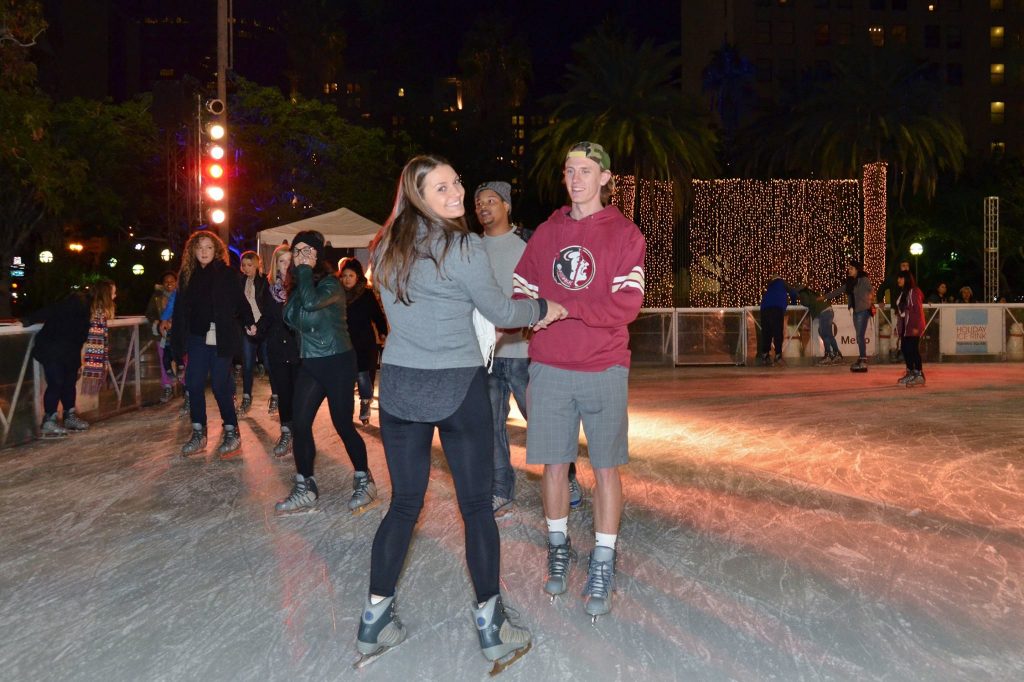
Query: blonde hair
[
  {"x": 272, "y": 275},
  {"x": 395, "y": 248},
  {"x": 189, "y": 262}
]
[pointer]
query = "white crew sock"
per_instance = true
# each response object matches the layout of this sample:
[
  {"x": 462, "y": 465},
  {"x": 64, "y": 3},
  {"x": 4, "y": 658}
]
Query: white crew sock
[
  {"x": 605, "y": 540},
  {"x": 558, "y": 526}
]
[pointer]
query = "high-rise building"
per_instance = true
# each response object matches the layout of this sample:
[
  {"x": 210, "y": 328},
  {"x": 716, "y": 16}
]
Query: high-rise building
[{"x": 977, "y": 46}]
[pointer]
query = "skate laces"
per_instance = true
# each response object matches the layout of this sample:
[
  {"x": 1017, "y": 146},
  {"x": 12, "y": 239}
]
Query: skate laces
[
  {"x": 360, "y": 485},
  {"x": 558, "y": 560},
  {"x": 299, "y": 490},
  {"x": 599, "y": 578}
]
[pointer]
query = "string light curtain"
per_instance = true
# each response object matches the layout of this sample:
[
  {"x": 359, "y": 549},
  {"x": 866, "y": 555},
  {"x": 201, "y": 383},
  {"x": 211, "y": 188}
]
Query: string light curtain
[
  {"x": 653, "y": 214},
  {"x": 874, "y": 179},
  {"x": 745, "y": 232}
]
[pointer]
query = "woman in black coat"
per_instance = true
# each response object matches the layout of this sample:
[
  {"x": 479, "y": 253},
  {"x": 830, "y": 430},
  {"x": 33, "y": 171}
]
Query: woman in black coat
[
  {"x": 282, "y": 347},
  {"x": 364, "y": 314},
  {"x": 208, "y": 308}
]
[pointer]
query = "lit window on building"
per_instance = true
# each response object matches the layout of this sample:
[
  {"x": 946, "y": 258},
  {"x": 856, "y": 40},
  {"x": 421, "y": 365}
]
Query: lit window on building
[
  {"x": 996, "y": 35},
  {"x": 876, "y": 34},
  {"x": 898, "y": 34},
  {"x": 401, "y": 92},
  {"x": 998, "y": 148},
  {"x": 997, "y": 73},
  {"x": 822, "y": 35},
  {"x": 997, "y": 111}
]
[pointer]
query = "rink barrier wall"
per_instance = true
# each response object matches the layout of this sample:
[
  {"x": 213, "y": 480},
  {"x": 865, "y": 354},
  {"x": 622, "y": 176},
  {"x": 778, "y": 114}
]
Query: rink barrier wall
[
  {"x": 133, "y": 378},
  {"x": 729, "y": 336}
]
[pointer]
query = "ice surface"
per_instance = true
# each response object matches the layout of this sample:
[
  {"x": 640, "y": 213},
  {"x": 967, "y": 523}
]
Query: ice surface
[{"x": 780, "y": 524}]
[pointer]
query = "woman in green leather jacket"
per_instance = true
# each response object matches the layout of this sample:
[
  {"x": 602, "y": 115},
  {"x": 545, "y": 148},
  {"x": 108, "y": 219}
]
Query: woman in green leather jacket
[{"x": 316, "y": 311}]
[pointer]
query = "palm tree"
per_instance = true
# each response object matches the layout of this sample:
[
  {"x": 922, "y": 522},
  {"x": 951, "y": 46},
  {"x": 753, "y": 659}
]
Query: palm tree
[
  {"x": 627, "y": 97},
  {"x": 875, "y": 106}
]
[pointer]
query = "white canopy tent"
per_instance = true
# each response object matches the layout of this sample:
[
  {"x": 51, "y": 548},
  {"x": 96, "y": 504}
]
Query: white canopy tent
[{"x": 342, "y": 229}]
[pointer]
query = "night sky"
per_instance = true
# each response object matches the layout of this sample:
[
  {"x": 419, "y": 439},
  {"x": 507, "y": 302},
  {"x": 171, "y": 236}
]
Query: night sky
[{"x": 423, "y": 39}]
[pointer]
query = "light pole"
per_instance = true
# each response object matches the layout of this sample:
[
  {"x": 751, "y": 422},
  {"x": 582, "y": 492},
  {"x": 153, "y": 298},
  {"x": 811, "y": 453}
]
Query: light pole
[{"x": 916, "y": 249}]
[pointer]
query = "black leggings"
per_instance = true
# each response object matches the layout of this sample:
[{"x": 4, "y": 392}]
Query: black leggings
[
  {"x": 468, "y": 442},
  {"x": 772, "y": 322},
  {"x": 283, "y": 377},
  {"x": 911, "y": 346},
  {"x": 61, "y": 385},
  {"x": 331, "y": 377}
]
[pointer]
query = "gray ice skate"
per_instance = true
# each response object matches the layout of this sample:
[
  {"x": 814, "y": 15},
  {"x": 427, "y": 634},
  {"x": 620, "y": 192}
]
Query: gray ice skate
[
  {"x": 916, "y": 380},
  {"x": 272, "y": 405},
  {"x": 907, "y": 376},
  {"x": 379, "y": 630},
  {"x": 197, "y": 443},
  {"x": 824, "y": 362},
  {"x": 230, "y": 443},
  {"x": 575, "y": 493},
  {"x": 246, "y": 404},
  {"x": 302, "y": 498},
  {"x": 284, "y": 443},
  {"x": 72, "y": 422},
  {"x": 500, "y": 640},
  {"x": 185, "y": 407},
  {"x": 51, "y": 429},
  {"x": 364, "y": 411},
  {"x": 860, "y": 366},
  {"x": 364, "y": 492},
  {"x": 560, "y": 557},
  {"x": 597, "y": 595},
  {"x": 166, "y": 393}
]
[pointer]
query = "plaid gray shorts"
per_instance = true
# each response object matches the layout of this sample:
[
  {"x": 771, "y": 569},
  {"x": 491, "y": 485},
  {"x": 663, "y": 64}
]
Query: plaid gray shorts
[{"x": 559, "y": 400}]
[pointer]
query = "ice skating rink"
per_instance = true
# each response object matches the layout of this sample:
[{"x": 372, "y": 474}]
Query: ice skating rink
[{"x": 780, "y": 524}]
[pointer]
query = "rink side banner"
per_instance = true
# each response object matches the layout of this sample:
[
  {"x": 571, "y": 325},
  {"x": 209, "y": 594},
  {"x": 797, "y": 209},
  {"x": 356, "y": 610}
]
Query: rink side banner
[
  {"x": 971, "y": 330},
  {"x": 846, "y": 336}
]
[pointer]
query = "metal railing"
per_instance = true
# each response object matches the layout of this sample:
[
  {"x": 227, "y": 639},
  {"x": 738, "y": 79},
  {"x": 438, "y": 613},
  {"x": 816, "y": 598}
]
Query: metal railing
[
  {"x": 133, "y": 374},
  {"x": 729, "y": 336}
]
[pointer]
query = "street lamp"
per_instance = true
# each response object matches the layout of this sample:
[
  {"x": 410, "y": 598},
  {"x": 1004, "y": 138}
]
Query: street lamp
[
  {"x": 916, "y": 249},
  {"x": 46, "y": 256}
]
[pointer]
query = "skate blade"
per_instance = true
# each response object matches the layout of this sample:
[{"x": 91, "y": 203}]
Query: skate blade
[
  {"x": 366, "y": 659},
  {"x": 55, "y": 436},
  {"x": 500, "y": 665},
  {"x": 359, "y": 511},
  {"x": 305, "y": 511}
]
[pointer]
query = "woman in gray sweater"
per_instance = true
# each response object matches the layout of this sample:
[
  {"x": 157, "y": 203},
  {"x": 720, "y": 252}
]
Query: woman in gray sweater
[{"x": 432, "y": 273}]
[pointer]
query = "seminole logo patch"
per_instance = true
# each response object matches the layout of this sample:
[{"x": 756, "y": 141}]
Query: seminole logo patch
[{"x": 574, "y": 268}]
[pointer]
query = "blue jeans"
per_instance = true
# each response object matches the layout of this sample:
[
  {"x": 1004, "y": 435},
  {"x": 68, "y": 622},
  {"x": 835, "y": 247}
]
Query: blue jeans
[
  {"x": 860, "y": 326},
  {"x": 828, "y": 338},
  {"x": 202, "y": 361},
  {"x": 508, "y": 376},
  {"x": 249, "y": 348}
]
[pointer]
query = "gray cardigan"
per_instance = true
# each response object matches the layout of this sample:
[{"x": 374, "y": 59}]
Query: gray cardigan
[
  {"x": 435, "y": 330},
  {"x": 861, "y": 295}
]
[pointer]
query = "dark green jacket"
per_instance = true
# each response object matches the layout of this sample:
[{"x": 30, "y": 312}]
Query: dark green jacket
[{"x": 316, "y": 311}]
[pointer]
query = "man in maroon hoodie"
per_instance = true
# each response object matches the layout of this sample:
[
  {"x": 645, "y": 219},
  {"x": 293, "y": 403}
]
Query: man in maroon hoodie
[{"x": 590, "y": 258}]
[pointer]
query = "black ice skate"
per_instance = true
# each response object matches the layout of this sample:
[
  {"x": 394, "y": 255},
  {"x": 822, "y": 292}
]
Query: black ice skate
[
  {"x": 379, "y": 631},
  {"x": 500, "y": 640},
  {"x": 364, "y": 411},
  {"x": 560, "y": 558},
  {"x": 597, "y": 595},
  {"x": 860, "y": 366},
  {"x": 197, "y": 443}
]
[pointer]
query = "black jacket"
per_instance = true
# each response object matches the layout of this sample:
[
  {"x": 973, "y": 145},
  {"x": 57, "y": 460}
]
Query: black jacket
[
  {"x": 363, "y": 311},
  {"x": 65, "y": 329},
  {"x": 282, "y": 344},
  {"x": 231, "y": 312}
]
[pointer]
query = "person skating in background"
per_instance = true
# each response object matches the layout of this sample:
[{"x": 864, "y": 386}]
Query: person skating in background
[
  {"x": 210, "y": 313},
  {"x": 941, "y": 294},
  {"x": 510, "y": 370},
  {"x": 966, "y": 295},
  {"x": 254, "y": 287},
  {"x": 154, "y": 312},
  {"x": 777, "y": 296},
  {"x": 887, "y": 298},
  {"x": 590, "y": 258},
  {"x": 366, "y": 323},
  {"x": 821, "y": 313},
  {"x": 316, "y": 311},
  {"x": 910, "y": 327},
  {"x": 282, "y": 346},
  {"x": 76, "y": 323},
  {"x": 858, "y": 300},
  {"x": 431, "y": 274}
]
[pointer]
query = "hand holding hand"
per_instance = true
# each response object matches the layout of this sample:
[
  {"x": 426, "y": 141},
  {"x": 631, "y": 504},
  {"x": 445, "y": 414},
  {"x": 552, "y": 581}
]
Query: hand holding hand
[
  {"x": 165, "y": 325},
  {"x": 251, "y": 330}
]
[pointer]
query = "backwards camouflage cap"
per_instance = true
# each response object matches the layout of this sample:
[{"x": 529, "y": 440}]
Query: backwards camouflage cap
[{"x": 592, "y": 151}]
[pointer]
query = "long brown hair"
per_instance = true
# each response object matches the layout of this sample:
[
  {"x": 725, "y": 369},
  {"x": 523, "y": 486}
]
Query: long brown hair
[
  {"x": 395, "y": 249},
  {"x": 189, "y": 262},
  {"x": 102, "y": 299}
]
